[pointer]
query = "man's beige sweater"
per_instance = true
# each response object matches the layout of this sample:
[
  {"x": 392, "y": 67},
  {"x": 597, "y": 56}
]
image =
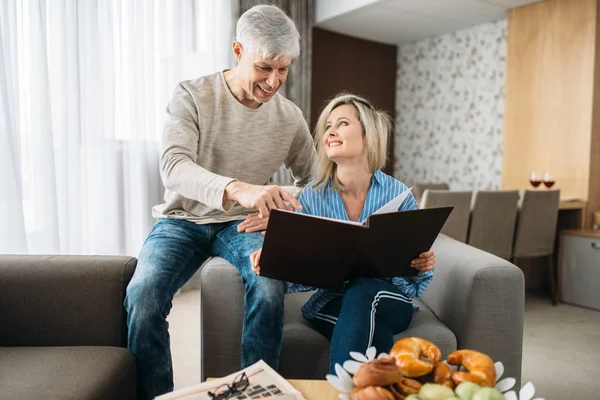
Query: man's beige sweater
[{"x": 211, "y": 139}]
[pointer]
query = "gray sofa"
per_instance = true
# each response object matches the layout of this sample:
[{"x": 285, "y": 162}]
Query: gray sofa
[
  {"x": 63, "y": 328},
  {"x": 476, "y": 301}
]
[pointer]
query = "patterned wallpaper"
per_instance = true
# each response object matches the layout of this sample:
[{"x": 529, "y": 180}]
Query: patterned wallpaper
[{"x": 450, "y": 108}]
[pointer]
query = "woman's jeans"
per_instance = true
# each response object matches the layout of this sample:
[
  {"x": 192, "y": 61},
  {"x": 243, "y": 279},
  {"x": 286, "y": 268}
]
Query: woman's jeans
[
  {"x": 370, "y": 313},
  {"x": 171, "y": 254}
]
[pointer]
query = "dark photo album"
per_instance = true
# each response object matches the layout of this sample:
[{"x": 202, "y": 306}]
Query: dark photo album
[{"x": 326, "y": 252}]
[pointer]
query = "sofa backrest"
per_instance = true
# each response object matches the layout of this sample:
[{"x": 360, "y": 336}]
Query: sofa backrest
[{"x": 63, "y": 300}]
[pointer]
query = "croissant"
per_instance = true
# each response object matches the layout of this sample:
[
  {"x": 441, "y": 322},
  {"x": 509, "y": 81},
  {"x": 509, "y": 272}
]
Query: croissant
[
  {"x": 442, "y": 375},
  {"x": 408, "y": 352},
  {"x": 379, "y": 372},
  {"x": 371, "y": 393},
  {"x": 481, "y": 367}
]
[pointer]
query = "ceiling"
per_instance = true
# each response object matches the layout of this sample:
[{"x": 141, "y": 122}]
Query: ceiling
[{"x": 400, "y": 21}]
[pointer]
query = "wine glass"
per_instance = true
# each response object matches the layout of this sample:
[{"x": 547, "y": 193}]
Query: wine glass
[
  {"x": 534, "y": 179},
  {"x": 548, "y": 180}
]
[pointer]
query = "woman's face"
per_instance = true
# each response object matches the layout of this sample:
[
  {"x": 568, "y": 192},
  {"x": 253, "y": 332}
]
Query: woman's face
[{"x": 343, "y": 139}]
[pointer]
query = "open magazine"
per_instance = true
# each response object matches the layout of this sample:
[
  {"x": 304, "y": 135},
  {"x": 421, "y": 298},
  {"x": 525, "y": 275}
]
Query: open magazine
[{"x": 263, "y": 383}]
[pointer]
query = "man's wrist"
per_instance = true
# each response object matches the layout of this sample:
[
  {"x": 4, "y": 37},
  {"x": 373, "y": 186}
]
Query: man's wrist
[{"x": 231, "y": 190}]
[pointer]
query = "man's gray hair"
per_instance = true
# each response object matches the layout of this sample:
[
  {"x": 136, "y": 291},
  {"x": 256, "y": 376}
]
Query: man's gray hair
[{"x": 266, "y": 30}]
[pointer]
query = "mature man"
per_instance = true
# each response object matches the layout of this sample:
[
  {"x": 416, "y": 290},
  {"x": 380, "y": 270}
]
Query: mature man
[{"x": 226, "y": 134}]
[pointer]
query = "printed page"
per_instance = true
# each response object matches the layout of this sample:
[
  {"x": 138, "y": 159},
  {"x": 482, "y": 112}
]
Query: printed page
[
  {"x": 263, "y": 382},
  {"x": 394, "y": 204}
]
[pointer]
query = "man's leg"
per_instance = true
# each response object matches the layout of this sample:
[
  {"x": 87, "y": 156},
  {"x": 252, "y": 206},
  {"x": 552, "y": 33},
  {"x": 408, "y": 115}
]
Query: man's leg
[
  {"x": 262, "y": 331},
  {"x": 169, "y": 257}
]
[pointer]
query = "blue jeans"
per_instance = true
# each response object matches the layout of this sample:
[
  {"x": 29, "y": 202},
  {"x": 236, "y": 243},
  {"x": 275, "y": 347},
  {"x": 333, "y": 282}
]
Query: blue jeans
[
  {"x": 171, "y": 254},
  {"x": 370, "y": 313}
]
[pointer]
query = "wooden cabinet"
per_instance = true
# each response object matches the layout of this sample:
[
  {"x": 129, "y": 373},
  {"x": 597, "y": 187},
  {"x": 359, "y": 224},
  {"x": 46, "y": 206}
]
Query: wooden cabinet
[{"x": 579, "y": 269}]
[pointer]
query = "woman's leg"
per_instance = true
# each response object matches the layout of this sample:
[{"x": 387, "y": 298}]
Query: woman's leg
[
  {"x": 372, "y": 312},
  {"x": 326, "y": 318}
]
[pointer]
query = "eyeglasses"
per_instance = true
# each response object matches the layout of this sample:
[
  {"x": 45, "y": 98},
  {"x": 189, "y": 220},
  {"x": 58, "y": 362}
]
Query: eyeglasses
[{"x": 225, "y": 391}]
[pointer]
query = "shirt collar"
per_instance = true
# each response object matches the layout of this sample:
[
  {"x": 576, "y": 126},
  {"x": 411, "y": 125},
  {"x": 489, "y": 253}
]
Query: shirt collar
[{"x": 378, "y": 177}]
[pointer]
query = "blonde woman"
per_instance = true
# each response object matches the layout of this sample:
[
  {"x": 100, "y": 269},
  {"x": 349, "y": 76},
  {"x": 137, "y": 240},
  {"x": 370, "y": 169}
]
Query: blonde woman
[{"x": 348, "y": 184}]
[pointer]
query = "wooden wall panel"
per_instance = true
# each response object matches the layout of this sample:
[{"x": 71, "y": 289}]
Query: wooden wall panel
[
  {"x": 366, "y": 68},
  {"x": 594, "y": 175},
  {"x": 549, "y": 94}
]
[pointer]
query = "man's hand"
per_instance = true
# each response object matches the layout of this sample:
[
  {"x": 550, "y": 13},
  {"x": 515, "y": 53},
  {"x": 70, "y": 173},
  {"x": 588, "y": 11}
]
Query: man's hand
[
  {"x": 261, "y": 198},
  {"x": 425, "y": 262},
  {"x": 254, "y": 260},
  {"x": 253, "y": 223}
]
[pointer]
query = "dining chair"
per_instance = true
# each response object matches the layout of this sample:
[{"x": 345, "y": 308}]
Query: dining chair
[
  {"x": 493, "y": 219},
  {"x": 536, "y": 230},
  {"x": 457, "y": 224},
  {"x": 420, "y": 188}
]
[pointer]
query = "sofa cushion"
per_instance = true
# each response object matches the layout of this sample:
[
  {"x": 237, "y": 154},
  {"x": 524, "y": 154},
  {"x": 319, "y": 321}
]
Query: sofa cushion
[
  {"x": 67, "y": 373},
  {"x": 426, "y": 325},
  {"x": 305, "y": 352}
]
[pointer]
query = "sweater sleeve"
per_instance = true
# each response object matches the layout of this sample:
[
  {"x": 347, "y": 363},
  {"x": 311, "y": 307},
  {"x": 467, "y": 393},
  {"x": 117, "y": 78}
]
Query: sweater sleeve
[{"x": 178, "y": 167}]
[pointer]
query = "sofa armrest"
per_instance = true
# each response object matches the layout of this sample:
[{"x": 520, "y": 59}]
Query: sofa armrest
[
  {"x": 222, "y": 313},
  {"x": 63, "y": 300},
  {"x": 481, "y": 298}
]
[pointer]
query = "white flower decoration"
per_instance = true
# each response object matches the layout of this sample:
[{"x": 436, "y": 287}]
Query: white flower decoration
[
  {"x": 504, "y": 386},
  {"x": 342, "y": 381},
  {"x": 353, "y": 365}
]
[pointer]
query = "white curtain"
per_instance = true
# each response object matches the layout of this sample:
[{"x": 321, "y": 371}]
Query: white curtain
[{"x": 84, "y": 86}]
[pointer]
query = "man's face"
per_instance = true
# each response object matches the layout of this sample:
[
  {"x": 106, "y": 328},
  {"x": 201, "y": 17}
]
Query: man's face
[{"x": 260, "y": 77}]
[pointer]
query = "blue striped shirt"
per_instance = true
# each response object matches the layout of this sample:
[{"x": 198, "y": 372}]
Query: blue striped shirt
[{"x": 327, "y": 202}]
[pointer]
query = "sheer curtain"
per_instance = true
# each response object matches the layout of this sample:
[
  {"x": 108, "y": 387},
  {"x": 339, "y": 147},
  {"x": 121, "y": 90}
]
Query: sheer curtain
[{"x": 84, "y": 86}]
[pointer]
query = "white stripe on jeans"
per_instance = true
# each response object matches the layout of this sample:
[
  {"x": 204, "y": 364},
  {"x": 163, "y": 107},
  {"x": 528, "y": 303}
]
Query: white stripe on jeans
[
  {"x": 382, "y": 295},
  {"x": 326, "y": 318}
]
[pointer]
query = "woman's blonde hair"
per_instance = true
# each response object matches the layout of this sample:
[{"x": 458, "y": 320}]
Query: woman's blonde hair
[{"x": 376, "y": 125}]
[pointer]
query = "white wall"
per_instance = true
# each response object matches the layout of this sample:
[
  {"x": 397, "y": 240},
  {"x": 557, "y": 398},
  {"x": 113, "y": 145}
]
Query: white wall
[
  {"x": 327, "y": 9},
  {"x": 450, "y": 108}
]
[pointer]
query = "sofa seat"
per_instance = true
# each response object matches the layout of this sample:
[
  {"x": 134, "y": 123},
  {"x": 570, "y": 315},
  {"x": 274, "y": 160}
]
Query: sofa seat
[
  {"x": 74, "y": 372},
  {"x": 305, "y": 352}
]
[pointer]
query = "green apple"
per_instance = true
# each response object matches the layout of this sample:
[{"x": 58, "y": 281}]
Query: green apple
[
  {"x": 488, "y": 393},
  {"x": 433, "y": 391},
  {"x": 466, "y": 390}
]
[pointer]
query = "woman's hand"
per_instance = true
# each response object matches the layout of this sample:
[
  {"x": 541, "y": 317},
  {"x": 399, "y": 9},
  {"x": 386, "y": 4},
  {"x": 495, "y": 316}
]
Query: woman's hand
[
  {"x": 253, "y": 223},
  {"x": 254, "y": 259},
  {"x": 425, "y": 262}
]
